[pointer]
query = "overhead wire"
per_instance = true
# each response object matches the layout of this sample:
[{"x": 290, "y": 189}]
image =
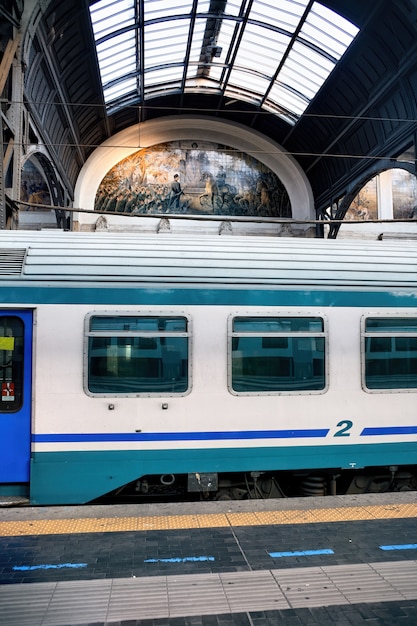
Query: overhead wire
[
  {"x": 213, "y": 218},
  {"x": 201, "y": 111}
]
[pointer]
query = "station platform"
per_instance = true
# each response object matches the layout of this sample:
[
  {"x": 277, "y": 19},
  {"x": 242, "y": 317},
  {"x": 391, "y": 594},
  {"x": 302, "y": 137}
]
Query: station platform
[{"x": 337, "y": 560}]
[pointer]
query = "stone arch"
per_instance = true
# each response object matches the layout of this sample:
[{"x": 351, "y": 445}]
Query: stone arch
[
  {"x": 196, "y": 128},
  {"x": 53, "y": 190},
  {"x": 355, "y": 188}
]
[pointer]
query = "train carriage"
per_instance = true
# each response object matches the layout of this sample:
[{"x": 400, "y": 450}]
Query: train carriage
[{"x": 213, "y": 367}]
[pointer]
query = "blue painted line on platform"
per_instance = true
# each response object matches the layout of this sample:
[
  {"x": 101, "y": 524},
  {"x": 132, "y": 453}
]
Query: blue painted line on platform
[
  {"x": 29, "y": 568},
  {"x": 277, "y": 555},
  {"x": 187, "y": 559},
  {"x": 404, "y": 546}
]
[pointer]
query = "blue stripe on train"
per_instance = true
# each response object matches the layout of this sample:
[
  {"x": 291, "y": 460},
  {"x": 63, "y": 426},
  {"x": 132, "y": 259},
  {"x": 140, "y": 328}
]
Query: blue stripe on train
[
  {"x": 214, "y": 435},
  {"x": 180, "y": 436},
  {"x": 389, "y": 430}
]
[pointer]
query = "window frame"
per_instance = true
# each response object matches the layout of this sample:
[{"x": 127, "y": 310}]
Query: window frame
[
  {"x": 274, "y": 315},
  {"x": 17, "y": 365},
  {"x": 135, "y": 314},
  {"x": 369, "y": 333}
]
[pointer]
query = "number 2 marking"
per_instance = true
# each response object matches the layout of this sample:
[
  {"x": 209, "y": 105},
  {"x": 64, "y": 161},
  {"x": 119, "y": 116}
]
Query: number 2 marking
[{"x": 344, "y": 426}]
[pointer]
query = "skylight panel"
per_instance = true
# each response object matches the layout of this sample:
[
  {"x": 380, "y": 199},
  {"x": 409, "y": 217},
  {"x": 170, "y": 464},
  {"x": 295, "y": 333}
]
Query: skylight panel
[
  {"x": 258, "y": 40},
  {"x": 110, "y": 47},
  {"x": 235, "y": 92},
  {"x": 302, "y": 84},
  {"x": 286, "y": 14},
  {"x": 164, "y": 76},
  {"x": 121, "y": 89},
  {"x": 287, "y": 99},
  {"x": 304, "y": 74},
  {"x": 307, "y": 67},
  {"x": 107, "y": 26},
  {"x": 116, "y": 57},
  {"x": 323, "y": 40},
  {"x": 225, "y": 36},
  {"x": 280, "y": 112},
  {"x": 306, "y": 63},
  {"x": 249, "y": 80},
  {"x": 157, "y": 32},
  {"x": 157, "y": 9},
  {"x": 303, "y": 40},
  {"x": 330, "y": 32},
  {"x": 174, "y": 38},
  {"x": 343, "y": 30},
  {"x": 216, "y": 73},
  {"x": 109, "y": 15},
  {"x": 115, "y": 73},
  {"x": 196, "y": 45},
  {"x": 233, "y": 7}
]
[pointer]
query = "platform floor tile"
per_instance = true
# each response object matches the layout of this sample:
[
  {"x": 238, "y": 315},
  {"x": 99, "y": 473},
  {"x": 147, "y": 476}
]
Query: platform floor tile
[
  {"x": 196, "y": 595},
  {"x": 159, "y": 597},
  {"x": 402, "y": 575},
  {"x": 138, "y": 596},
  {"x": 361, "y": 583},
  {"x": 313, "y": 588},
  {"x": 257, "y": 591}
]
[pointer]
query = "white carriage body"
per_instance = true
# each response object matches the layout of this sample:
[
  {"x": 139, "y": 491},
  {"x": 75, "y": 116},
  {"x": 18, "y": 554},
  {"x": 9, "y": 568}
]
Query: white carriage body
[{"x": 84, "y": 443}]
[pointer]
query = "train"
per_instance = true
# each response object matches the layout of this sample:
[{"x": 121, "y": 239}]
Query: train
[{"x": 158, "y": 366}]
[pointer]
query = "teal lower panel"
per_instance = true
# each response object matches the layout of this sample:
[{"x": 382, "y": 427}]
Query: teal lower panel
[
  {"x": 15, "y": 489},
  {"x": 78, "y": 477}
]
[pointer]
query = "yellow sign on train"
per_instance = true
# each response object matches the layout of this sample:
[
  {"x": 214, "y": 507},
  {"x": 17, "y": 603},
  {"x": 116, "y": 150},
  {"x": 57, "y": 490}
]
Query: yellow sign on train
[{"x": 6, "y": 343}]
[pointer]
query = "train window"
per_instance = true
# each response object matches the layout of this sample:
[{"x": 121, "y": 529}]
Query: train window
[
  {"x": 277, "y": 354},
  {"x": 11, "y": 363},
  {"x": 135, "y": 355},
  {"x": 390, "y": 353}
]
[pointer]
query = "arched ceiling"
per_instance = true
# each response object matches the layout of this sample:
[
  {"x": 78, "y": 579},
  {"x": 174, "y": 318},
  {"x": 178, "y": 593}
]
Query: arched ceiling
[
  {"x": 233, "y": 59},
  {"x": 275, "y": 57}
]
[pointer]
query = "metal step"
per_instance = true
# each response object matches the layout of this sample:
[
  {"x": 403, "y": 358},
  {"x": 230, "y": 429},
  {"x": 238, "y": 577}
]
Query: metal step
[{"x": 9, "y": 501}]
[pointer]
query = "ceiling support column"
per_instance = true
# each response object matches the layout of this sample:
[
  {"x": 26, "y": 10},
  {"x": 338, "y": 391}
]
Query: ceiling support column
[
  {"x": 17, "y": 109},
  {"x": 10, "y": 70}
]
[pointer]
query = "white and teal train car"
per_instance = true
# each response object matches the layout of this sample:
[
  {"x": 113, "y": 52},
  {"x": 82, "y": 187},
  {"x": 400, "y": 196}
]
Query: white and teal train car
[{"x": 225, "y": 366}]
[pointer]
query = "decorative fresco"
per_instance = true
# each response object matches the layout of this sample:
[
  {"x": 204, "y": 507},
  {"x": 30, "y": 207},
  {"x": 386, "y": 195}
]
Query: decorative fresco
[
  {"x": 192, "y": 178},
  {"x": 404, "y": 198},
  {"x": 34, "y": 188}
]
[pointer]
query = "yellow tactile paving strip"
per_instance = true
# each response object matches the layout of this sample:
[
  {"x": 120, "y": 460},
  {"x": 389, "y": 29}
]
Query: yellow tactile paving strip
[{"x": 172, "y": 522}]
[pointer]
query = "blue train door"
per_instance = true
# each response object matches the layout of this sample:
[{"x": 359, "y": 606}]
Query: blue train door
[{"x": 16, "y": 395}]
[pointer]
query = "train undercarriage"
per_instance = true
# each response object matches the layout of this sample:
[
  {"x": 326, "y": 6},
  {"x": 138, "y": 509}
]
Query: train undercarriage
[{"x": 264, "y": 485}]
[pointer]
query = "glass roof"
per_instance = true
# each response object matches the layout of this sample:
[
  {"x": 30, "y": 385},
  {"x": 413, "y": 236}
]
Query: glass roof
[{"x": 274, "y": 57}]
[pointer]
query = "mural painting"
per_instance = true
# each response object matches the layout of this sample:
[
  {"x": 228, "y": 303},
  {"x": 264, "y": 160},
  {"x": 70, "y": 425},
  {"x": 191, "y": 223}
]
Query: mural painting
[
  {"x": 190, "y": 178},
  {"x": 404, "y": 194},
  {"x": 365, "y": 205},
  {"x": 34, "y": 188},
  {"x": 404, "y": 198}
]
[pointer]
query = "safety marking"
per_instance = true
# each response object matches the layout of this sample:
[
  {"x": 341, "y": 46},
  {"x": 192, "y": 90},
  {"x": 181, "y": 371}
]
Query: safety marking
[
  {"x": 187, "y": 559},
  {"x": 405, "y": 546},
  {"x": 27, "y": 568},
  {"x": 277, "y": 555},
  {"x": 172, "y": 522}
]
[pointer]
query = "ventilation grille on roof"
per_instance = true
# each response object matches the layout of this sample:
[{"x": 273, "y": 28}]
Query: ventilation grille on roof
[{"x": 11, "y": 261}]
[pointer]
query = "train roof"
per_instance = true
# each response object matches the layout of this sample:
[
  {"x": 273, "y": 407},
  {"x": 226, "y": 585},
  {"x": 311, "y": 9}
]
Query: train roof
[{"x": 123, "y": 258}]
